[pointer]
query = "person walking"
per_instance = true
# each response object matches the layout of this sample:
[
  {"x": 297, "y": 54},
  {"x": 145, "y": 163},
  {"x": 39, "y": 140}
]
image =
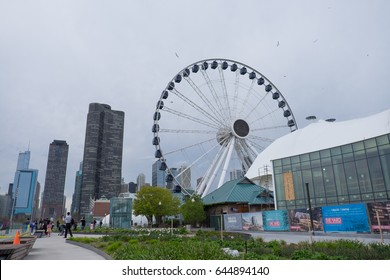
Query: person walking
[
  {"x": 49, "y": 228},
  {"x": 82, "y": 223},
  {"x": 68, "y": 225}
]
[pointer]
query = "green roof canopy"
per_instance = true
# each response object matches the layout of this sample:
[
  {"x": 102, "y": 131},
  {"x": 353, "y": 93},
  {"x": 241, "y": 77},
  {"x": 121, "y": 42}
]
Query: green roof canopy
[{"x": 240, "y": 190}]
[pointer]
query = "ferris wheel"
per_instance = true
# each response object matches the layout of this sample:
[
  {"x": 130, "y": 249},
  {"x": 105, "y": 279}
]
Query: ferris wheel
[{"x": 212, "y": 120}]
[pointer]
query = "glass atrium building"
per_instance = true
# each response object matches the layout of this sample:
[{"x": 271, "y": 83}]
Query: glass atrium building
[{"x": 332, "y": 163}]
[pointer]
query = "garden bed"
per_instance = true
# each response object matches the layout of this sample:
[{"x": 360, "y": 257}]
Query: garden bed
[{"x": 162, "y": 245}]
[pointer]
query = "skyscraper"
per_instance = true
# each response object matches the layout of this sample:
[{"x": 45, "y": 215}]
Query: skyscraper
[
  {"x": 24, "y": 192},
  {"x": 140, "y": 181},
  {"x": 23, "y": 160},
  {"x": 53, "y": 193},
  {"x": 77, "y": 187},
  {"x": 185, "y": 177},
  {"x": 102, "y": 161},
  {"x": 236, "y": 174},
  {"x": 24, "y": 188},
  {"x": 132, "y": 187},
  {"x": 158, "y": 175}
]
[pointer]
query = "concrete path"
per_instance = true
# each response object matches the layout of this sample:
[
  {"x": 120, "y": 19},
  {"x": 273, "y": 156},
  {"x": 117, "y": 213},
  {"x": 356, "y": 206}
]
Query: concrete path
[{"x": 57, "y": 248}]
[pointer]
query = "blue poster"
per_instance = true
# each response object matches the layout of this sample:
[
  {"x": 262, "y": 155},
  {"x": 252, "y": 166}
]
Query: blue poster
[
  {"x": 276, "y": 220},
  {"x": 348, "y": 217}
]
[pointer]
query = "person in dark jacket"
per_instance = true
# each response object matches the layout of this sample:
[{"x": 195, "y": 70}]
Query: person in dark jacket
[{"x": 68, "y": 225}]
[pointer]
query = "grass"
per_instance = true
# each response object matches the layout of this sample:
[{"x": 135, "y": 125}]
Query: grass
[{"x": 207, "y": 245}]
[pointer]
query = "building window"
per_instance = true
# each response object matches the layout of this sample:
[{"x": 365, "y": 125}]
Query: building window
[
  {"x": 372, "y": 152},
  {"x": 314, "y": 155},
  {"x": 370, "y": 143},
  {"x": 339, "y": 177},
  {"x": 358, "y": 146},
  {"x": 330, "y": 187},
  {"x": 384, "y": 149},
  {"x": 351, "y": 176},
  {"x": 376, "y": 174},
  {"x": 318, "y": 182},
  {"x": 382, "y": 140},
  {"x": 298, "y": 184},
  {"x": 325, "y": 153},
  {"x": 363, "y": 176},
  {"x": 346, "y": 149},
  {"x": 385, "y": 161}
]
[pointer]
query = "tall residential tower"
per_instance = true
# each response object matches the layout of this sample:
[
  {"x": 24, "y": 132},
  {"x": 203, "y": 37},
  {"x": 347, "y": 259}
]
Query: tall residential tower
[{"x": 102, "y": 161}]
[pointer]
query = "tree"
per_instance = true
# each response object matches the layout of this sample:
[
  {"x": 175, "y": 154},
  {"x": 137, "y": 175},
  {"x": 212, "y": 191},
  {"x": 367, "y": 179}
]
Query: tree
[
  {"x": 193, "y": 210},
  {"x": 157, "y": 202}
]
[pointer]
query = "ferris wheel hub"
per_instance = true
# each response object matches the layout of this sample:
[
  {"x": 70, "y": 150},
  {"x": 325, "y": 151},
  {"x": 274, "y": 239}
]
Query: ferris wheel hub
[
  {"x": 224, "y": 135},
  {"x": 240, "y": 128}
]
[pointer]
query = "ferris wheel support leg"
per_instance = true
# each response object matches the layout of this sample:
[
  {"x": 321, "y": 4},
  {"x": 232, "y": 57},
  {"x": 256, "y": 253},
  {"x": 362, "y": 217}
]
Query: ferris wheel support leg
[
  {"x": 252, "y": 148},
  {"x": 202, "y": 185},
  {"x": 216, "y": 168},
  {"x": 227, "y": 161}
]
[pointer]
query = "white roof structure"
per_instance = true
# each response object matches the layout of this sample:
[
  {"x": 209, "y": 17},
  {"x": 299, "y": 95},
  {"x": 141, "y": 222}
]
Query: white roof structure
[{"x": 321, "y": 135}]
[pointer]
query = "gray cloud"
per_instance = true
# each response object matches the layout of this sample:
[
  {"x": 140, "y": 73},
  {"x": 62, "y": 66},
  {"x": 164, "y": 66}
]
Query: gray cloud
[{"x": 56, "y": 58}]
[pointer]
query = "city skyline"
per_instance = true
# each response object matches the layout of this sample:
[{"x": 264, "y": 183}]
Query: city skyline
[{"x": 328, "y": 59}]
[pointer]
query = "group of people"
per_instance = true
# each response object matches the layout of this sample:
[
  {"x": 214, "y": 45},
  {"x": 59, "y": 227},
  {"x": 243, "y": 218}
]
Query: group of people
[
  {"x": 46, "y": 225},
  {"x": 64, "y": 225}
]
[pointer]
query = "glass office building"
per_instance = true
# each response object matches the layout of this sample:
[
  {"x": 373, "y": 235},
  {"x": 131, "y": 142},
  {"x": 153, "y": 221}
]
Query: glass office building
[{"x": 356, "y": 172}]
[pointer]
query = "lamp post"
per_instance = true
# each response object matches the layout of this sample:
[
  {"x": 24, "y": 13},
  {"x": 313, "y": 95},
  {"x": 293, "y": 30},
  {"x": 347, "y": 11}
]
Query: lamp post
[
  {"x": 159, "y": 206},
  {"x": 310, "y": 210}
]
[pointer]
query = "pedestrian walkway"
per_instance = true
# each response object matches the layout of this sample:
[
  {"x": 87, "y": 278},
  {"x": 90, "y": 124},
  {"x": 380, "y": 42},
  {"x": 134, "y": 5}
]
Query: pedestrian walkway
[{"x": 58, "y": 248}]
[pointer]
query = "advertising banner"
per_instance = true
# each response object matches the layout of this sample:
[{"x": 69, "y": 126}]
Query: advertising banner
[
  {"x": 379, "y": 213},
  {"x": 252, "y": 221},
  {"x": 232, "y": 222},
  {"x": 276, "y": 220},
  {"x": 348, "y": 217},
  {"x": 288, "y": 183},
  {"x": 300, "y": 219}
]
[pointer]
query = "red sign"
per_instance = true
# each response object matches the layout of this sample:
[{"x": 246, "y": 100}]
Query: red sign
[
  {"x": 333, "y": 221},
  {"x": 274, "y": 223}
]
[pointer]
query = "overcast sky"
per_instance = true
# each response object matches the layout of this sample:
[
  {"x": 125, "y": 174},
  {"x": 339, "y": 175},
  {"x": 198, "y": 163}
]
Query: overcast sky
[{"x": 328, "y": 58}]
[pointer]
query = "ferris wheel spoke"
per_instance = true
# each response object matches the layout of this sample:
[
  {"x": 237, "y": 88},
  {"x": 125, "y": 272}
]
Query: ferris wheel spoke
[
  {"x": 244, "y": 104},
  {"x": 250, "y": 153},
  {"x": 254, "y": 151},
  {"x": 197, "y": 160},
  {"x": 264, "y": 116},
  {"x": 205, "y": 100},
  {"x": 269, "y": 128},
  {"x": 195, "y": 106},
  {"x": 214, "y": 94},
  {"x": 190, "y": 146},
  {"x": 235, "y": 98},
  {"x": 194, "y": 119},
  {"x": 165, "y": 130},
  {"x": 225, "y": 93},
  {"x": 256, "y": 106},
  {"x": 255, "y": 144},
  {"x": 261, "y": 138},
  {"x": 245, "y": 153}
]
